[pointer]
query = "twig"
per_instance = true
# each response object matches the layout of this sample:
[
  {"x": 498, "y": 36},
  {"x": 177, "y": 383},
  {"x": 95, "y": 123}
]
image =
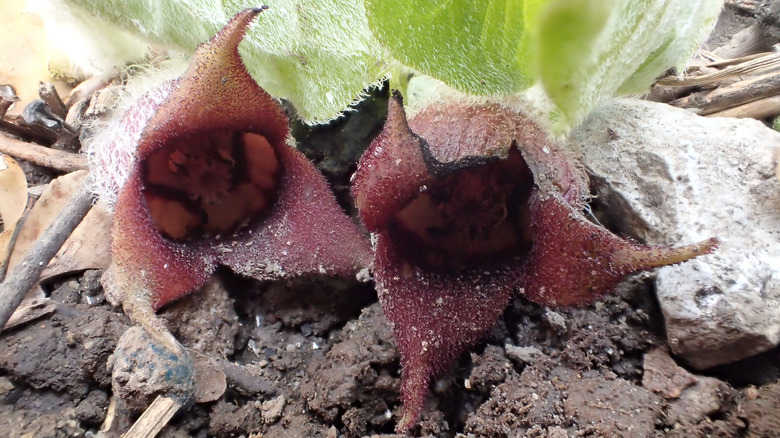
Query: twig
[
  {"x": 112, "y": 418},
  {"x": 49, "y": 94},
  {"x": 757, "y": 110},
  {"x": 154, "y": 418},
  {"x": 738, "y": 93},
  {"x": 22, "y": 130},
  {"x": 11, "y": 244},
  {"x": 735, "y": 61},
  {"x": 760, "y": 65},
  {"x": 43, "y": 156},
  {"x": 22, "y": 278}
]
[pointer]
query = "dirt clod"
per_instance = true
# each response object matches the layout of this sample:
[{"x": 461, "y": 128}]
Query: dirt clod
[{"x": 143, "y": 369}]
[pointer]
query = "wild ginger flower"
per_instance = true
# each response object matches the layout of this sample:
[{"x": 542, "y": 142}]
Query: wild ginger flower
[
  {"x": 214, "y": 181},
  {"x": 469, "y": 203}
]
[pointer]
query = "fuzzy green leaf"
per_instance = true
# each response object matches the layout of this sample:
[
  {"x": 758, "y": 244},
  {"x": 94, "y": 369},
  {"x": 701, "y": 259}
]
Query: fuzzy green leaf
[
  {"x": 590, "y": 50},
  {"x": 583, "y": 51},
  {"x": 476, "y": 47},
  {"x": 318, "y": 54}
]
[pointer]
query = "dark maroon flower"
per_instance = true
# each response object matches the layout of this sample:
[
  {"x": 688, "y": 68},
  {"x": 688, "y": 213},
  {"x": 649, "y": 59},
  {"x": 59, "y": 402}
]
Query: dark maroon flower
[
  {"x": 215, "y": 181},
  {"x": 470, "y": 203}
]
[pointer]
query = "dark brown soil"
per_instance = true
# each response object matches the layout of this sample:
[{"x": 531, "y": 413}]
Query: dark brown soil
[{"x": 313, "y": 359}]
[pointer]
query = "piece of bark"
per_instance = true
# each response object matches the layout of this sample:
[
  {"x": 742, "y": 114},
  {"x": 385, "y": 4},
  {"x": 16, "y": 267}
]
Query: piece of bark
[{"x": 54, "y": 159}]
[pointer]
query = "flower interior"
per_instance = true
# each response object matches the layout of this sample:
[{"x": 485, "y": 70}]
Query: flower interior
[
  {"x": 474, "y": 214},
  {"x": 210, "y": 184}
]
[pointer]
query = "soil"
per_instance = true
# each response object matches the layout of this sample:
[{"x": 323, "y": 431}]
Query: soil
[
  {"x": 316, "y": 358},
  {"x": 313, "y": 359}
]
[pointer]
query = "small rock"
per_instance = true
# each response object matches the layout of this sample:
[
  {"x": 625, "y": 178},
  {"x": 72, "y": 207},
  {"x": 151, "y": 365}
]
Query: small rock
[
  {"x": 5, "y": 386},
  {"x": 669, "y": 177},
  {"x": 692, "y": 399},
  {"x": 271, "y": 410},
  {"x": 522, "y": 355},
  {"x": 210, "y": 381},
  {"x": 557, "y": 432},
  {"x": 332, "y": 432},
  {"x": 90, "y": 288},
  {"x": 143, "y": 369},
  {"x": 663, "y": 376},
  {"x": 706, "y": 399},
  {"x": 92, "y": 410},
  {"x": 555, "y": 319}
]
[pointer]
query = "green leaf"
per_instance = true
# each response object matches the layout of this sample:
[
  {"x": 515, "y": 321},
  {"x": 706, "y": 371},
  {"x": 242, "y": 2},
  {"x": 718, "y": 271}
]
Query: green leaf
[
  {"x": 583, "y": 51},
  {"x": 476, "y": 47},
  {"x": 590, "y": 50},
  {"x": 317, "y": 54},
  {"x": 181, "y": 25}
]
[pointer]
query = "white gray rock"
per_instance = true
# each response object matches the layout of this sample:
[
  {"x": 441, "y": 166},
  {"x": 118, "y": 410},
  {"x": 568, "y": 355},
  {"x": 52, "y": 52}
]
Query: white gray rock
[{"x": 670, "y": 177}]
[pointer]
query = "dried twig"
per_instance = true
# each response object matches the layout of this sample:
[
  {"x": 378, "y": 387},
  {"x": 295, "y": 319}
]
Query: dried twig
[
  {"x": 49, "y": 94},
  {"x": 759, "y": 109},
  {"x": 736, "y": 94},
  {"x": 43, "y": 156},
  {"x": 764, "y": 64},
  {"x": 22, "y": 278},
  {"x": 735, "y": 61},
  {"x": 22, "y": 130},
  {"x": 154, "y": 418},
  {"x": 11, "y": 244}
]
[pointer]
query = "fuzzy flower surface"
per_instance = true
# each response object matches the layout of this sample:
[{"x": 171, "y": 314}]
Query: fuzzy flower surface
[
  {"x": 214, "y": 181},
  {"x": 470, "y": 204}
]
